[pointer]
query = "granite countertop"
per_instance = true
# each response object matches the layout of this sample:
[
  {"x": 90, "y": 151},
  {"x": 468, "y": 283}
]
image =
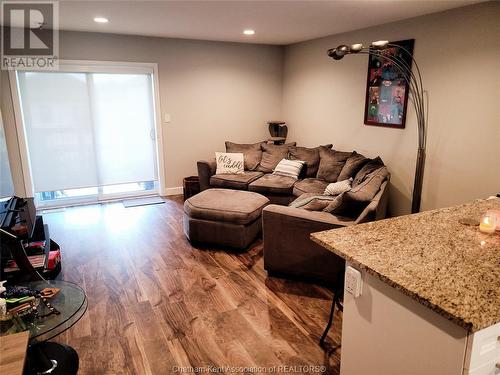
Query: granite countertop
[{"x": 449, "y": 267}]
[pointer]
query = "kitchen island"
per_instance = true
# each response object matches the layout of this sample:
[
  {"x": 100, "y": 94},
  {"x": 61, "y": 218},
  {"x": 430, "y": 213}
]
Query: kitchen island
[{"x": 430, "y": 296}]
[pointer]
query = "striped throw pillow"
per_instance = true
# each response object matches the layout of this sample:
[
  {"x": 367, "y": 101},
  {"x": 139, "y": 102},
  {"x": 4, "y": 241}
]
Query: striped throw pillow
[{"x": 289, "y": 168}]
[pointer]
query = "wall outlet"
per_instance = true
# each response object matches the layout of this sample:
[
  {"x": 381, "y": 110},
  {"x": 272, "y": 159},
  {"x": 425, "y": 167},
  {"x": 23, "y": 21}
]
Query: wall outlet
[
  {"x": 167, "y": 118},
  {"x": 353, "y": 281}
]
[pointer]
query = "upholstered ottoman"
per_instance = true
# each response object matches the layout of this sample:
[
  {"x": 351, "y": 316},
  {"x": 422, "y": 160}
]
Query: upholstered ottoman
[{"x": 224, "y": 217}]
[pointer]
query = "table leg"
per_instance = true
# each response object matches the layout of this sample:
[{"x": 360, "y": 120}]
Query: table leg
[
  {"x": 337, "y": 297},
  {"x": 330, "y": 320}
]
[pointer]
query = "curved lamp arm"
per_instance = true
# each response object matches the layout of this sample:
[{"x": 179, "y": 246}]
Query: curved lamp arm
[{"x": 416, "y": 90}]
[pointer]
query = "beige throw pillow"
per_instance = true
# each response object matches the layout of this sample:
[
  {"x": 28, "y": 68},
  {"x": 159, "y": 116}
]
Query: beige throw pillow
[
  {"x": 229, "y": 163},
  {"x": 336, "y": 188}
]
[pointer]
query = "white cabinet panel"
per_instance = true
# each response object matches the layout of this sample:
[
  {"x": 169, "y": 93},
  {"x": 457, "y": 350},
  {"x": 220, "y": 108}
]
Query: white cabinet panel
[
  {"x": 485, "y": 347},
  {"x": 489, "y": 368}
]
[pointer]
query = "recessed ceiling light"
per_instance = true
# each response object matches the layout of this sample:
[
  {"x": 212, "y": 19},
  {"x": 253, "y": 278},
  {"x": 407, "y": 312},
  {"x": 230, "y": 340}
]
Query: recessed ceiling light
[
  {"x": 249, "y": 32},
  {"x": 101, "y": 20}
]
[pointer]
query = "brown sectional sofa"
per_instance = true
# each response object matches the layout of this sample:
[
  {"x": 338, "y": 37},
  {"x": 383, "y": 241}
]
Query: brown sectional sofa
[{"x": 288, "y": 249}]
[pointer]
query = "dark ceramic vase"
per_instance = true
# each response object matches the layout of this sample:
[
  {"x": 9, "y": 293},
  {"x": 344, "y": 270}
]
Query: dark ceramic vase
[{"x": 278, "y": 129}]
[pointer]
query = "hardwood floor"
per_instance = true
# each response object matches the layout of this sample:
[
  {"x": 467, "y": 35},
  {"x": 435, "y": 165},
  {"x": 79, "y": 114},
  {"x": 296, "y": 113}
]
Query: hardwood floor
[{"x": 155, "y": 302}]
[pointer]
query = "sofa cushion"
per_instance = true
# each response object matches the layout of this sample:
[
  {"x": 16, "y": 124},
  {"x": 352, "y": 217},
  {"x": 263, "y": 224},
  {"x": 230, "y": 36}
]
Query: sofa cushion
[
  {"x": 309, "y": 185},
  {"x": 355, "y": 200},
  {"x": 272, "y": 155},
  {"x": 368, "y": 168},
  {"x": 370, "y": 185},
  {"x": 238, "y": 181},
  {"x": 273, "y": 184},
  {"x": 352, "y": 166},
  {"x": 331, "y": 163},
  {"x": 309, "y": 155},
  {"x": 252, "y": 153},
  {"x": 234, "y": 206}
]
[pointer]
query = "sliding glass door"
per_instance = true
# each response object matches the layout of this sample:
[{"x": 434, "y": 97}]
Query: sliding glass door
[{"x": 90, "y": 135}]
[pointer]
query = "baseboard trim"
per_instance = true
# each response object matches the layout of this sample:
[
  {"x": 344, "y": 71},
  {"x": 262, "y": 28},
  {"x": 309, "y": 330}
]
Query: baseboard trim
[{"x": 173, "y": 191}]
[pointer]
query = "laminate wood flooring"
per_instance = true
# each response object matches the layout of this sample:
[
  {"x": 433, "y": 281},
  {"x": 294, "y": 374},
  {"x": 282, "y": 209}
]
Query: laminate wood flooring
[{"x": 157, "y": 305}]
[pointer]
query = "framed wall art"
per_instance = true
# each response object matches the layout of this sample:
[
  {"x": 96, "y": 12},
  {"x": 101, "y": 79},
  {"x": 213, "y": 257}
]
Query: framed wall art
[{"x": 386, "y": 88}]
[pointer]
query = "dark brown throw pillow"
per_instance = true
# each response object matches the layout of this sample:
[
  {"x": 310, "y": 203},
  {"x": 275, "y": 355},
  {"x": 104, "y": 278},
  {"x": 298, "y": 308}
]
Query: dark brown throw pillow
[
  {"x": 272, "y": 155},
  {"x": 354, "y": 201},
  {"x": 252, "y": 153},
  {"x": 310, "y": 156},
  {"x": 352, "y": 166},
  {"x": 368, "y": 168},
  {"x": 331, "y": 163}
]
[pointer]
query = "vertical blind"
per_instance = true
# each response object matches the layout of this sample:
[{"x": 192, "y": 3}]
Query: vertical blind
[{"x": 88, "y": 129}]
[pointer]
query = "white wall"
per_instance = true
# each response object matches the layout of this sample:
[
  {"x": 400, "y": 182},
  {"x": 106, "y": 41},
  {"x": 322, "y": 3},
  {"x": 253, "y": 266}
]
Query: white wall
[
  {"x": 214, "y": 92},
  {"x": 459, "y": 55}
]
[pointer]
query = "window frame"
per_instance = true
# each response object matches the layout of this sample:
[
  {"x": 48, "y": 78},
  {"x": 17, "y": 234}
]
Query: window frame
[{"x": 92, "y": 66}]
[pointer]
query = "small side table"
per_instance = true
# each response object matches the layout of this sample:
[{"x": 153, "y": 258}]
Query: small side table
[
  {"x": 46, "y": 357},
  {"x": 191, "y": 186}
]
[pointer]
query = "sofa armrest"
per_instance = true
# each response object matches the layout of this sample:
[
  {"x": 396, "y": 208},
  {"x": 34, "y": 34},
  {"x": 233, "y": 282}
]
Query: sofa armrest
[
  {"x": 206, "y": 169},
  {"x": 311, "y": 218},
  {"x": 288, "y": 249},
  {"x": 377, "y": 208}
]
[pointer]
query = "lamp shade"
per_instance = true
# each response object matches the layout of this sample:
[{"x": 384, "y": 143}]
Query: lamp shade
[
  {"x": 339, "y": 52},
  {"x": 380, "y": 44},
  {"x": 355, "y": 48}
]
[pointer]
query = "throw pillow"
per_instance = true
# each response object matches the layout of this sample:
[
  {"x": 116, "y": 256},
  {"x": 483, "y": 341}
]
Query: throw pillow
[
  {"x": 368, "y": 168},
  {"x": 289, "y": 168},
  {"x": 252, "y": 153},
  {"x": 354, "y": 201},
  {"x": 331, "y": 163},
  {"x": 336, "y": 188},
  {"x": 312, "y": 202},
  {"x": 352, "y": 166},
  {"x": 272, "y": 155},
  {"x": 336, "y": 207},
  {"x": 229, "y": 163},
  {"x": 366, "y": 190},
  {"x": 310, "y": 156}
]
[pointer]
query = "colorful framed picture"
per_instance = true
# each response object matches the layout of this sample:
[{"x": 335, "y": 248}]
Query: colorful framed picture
[{"x": 386, "y": 88}]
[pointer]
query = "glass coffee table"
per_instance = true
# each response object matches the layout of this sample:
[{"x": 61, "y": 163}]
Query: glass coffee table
[{"x": 49, "y": 357}]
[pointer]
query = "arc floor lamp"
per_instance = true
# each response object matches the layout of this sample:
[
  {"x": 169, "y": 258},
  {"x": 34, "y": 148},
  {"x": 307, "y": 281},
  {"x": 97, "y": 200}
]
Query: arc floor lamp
[{"x": 414, "y": 80}]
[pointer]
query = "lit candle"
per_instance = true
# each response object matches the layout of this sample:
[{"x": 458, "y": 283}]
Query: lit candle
[
  {"x": 488, "y": 223},
  {"x": 497, "y": 218}
]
